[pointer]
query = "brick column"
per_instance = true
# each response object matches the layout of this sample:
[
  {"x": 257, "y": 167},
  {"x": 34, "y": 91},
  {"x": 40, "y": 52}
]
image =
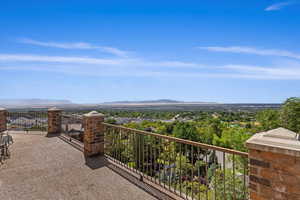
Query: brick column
[
  {"x": 274, "y": 159},
  {"x": 54, "y": 120},
  {"x": 93, "y": 137},
  {"x": 3, "y": 122}
]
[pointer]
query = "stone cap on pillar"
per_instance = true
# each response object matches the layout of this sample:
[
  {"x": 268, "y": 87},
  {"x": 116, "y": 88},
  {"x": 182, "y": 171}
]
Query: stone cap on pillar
[
  {"x": 93, "y": 114},
  {"x": 2, "y": 109},
  {"x": 54, "y": 109},
  {"x": 280, "y": 140}
]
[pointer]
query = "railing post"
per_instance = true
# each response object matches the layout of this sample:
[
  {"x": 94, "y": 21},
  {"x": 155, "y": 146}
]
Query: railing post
[
  {"x": 274, "y": 159},
  {"x": 93, "y": 137},
  {"x": 3, "y": 121},
  {"x": 54, "y": 120}
]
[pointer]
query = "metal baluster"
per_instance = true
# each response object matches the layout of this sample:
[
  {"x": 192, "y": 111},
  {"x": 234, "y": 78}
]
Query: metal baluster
[
  {"x": 199, "y": 175},
  {"x": 139, "y": 152},
  {"x": 118, "y": 146},
  {"x": 245, "y": 167},
  {"x": 143, "y": 153},
  {"x": 224, "y": 175},
  {"x": 192, "y": 152},
  {"x": 148, "y": 157},
  {"x": 159, "y": 176},
  {"x": 136, "y": 156},
  {"x": 121, "y": 147},
  {"x": 128, "y": 149},
  {"x": 206, "y": 178},
  {"x": 174, "y": 171},
  {"x": 180, "y": 178},
  {"x": 115, "y": 144},
  {"x": 186, "y": 173},
  {"x": 151, "y": 158},
  {"x": 155, "y": 159},
  {"x": 215, "y": 175},
  {"x": 234, "y": 195},
  {"x": 170, "y": 169},
  {"x": 164, "y": 165}
]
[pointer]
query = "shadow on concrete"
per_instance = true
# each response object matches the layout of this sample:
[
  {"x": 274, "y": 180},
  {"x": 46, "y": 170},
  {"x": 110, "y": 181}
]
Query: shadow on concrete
[
  {"x": 93, "y": 162},
  {"x": 136, "y": 181},
  {"x": 96, "y": 162},
  {"x": 50, "y": 135},
  {"x": 71, "y": 142}
]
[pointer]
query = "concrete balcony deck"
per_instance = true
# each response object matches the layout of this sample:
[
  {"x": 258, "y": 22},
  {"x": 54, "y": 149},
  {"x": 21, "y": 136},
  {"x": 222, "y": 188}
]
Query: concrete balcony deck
[{"x": 43, "y": 167}]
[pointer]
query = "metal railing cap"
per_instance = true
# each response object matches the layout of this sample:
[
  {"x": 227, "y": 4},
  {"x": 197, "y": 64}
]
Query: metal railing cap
[{"x": 183, "y": 141}]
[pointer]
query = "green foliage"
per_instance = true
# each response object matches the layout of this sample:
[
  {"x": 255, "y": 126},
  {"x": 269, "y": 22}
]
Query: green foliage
[
  {"x": 268, "y": 119},
  {"x": 227, "y": 185},
  {"x": 200, "y": 171},
  {"x": 186, "y": 131},
  {"x": 111, "y": 121},
  {"x": 232, "y": 138},
  {"x": 290, "y": 114}
]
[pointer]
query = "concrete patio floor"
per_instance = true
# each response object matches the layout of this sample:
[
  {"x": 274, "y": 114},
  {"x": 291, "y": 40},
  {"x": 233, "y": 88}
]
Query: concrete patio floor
[{"x": 43, "y": 167}]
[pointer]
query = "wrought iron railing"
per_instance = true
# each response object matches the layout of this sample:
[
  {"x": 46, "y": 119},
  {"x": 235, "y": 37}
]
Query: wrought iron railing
[
  {"x": 27, "y": 121},
  {"x": 72, "y": 126},
  {"x": 189, "y": 169}
]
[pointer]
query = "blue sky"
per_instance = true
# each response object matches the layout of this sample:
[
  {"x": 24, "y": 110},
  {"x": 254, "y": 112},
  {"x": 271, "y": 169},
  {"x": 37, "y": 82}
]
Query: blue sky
[{"x": 97, "y": 51}]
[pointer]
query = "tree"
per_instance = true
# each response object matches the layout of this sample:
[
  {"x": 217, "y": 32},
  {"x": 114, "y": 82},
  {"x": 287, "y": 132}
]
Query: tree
[
  {"x": 111, "y": 121},
  {"x": 232, "y": 138},
  {"x": 235, "y": 186},
  {"x": 268, "y": 119},
  {"x": 186, "y": 131},
  {"x": 290, "y": 114},
  {"x": 215, "y": 126}
]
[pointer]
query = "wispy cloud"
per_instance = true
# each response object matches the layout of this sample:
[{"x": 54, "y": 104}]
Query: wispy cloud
[
  {"x": 57, "y": 59},
  {"x": 278, "y": 6},
  {"x": 250, "y": 50},
  {"x": 286, "y": 72},
  {"x": 141, "y": 68},
  {"x": 76, "y": 45},
  {"x": 95, "y": 61}
]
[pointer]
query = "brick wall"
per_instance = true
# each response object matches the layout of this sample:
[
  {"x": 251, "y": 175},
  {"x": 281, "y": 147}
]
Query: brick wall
[
  {"x": 54, "y": 120},
  {"x": 3, "y": 122},
  {"x": 93, "y": 138},
  {"x": 274, "y": 166}
]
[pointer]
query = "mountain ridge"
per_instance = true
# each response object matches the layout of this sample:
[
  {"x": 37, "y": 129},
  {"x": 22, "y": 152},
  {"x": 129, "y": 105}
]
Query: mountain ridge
[
  {"x": 158, "y": 101},
  {"x": 34, "y": 101}
]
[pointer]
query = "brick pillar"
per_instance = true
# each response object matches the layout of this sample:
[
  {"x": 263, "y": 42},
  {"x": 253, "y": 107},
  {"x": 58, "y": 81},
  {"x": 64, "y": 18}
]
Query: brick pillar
[
  {"x": 3, "y": 122},
  {"x": 54, "y": 120},
  {"x": 274, "y": 159},
  {"x": 93, "y": 137}
]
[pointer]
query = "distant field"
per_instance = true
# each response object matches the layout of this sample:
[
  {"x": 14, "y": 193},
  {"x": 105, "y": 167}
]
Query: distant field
[
  {"x": 194, "y": 107},
  {"x": 165, "y": 107}
]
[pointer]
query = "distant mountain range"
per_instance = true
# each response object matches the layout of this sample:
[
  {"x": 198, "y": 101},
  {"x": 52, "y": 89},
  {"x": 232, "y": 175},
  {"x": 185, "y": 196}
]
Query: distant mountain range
[
  {"x": 155, "y": 102},
  {"x": 32, "y": 102},
  {"x": 66, "y": 103},
  {"x": 146, "y": 101},
  {"x": 160, "y": 104}
]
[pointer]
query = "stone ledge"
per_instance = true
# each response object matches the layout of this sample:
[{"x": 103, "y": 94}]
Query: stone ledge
[
  {"x": 280, "y": 140},
  {"x": 93, "y": 114},
  {"x": 54, "y": 109}
]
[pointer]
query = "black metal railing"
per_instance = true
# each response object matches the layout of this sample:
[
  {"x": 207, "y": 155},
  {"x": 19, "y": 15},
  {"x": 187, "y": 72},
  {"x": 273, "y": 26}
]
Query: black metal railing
[
  {"x": 72, "y": 126},
  {"x": 27, "y": 121},
  {"x": 189, "y": 169}
]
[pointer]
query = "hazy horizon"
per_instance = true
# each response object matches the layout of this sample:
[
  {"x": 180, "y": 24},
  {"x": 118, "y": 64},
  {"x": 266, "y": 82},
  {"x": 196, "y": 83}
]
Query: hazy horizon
[{"x": 70, "y": 101}]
